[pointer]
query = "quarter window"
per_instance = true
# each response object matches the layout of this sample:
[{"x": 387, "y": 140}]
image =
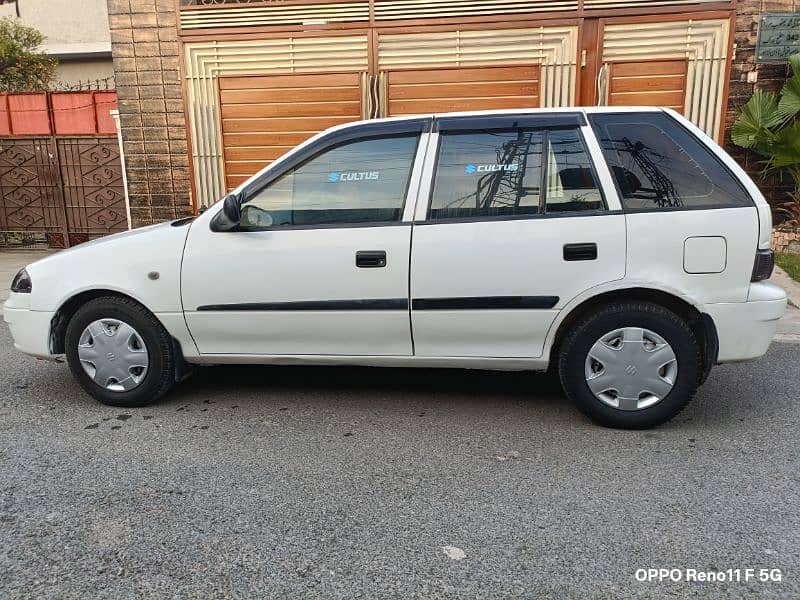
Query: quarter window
[
  {"x": 658, "y": 164},
  {"x": 358, "y": 182}
]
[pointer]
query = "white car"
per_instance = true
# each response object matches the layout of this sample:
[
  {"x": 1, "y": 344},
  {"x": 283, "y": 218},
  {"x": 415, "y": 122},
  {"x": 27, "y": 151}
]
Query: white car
[{"x": 623, "y": 248}]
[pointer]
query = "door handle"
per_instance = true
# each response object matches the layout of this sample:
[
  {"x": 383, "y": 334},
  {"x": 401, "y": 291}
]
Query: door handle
[
  {"x": 371, "y": 259},
  {"x": 602, "y": 86},
  {"x": 584, "y": 251}
]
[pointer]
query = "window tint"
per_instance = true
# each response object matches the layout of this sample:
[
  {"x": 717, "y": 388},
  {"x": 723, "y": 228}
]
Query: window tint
[
  {"x": 571, "y": 181},
  {"x": 658, "y": 164},
  {"x": 359, "y": 182},
  {"x": 487, "y": 173}
]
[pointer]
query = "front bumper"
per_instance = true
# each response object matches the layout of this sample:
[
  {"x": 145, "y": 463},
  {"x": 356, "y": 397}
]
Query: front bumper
[
  {"x": 30, "y": 330},
  {"x": 746, "y": 329}
]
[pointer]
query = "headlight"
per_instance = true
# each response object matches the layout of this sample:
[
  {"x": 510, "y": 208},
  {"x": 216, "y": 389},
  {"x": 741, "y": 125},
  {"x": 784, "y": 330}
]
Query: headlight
[{"x": 22, "y": 283}]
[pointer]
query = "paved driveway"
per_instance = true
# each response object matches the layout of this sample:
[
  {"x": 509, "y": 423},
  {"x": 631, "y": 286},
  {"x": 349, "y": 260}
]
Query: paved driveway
[{"x": 324, "y": 482}]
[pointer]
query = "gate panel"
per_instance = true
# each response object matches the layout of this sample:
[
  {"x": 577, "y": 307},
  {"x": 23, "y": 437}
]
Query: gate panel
[
  {"x": 31, "y": 209},
  {"x": 94, "y": 195},
  {"x": 552, "y": 50},
  {"x": 699, "y": 44},
  {"x": 649, "y": 83},
  {"x": 444, "y": 90},
  {"x": 265, "y": 116}
]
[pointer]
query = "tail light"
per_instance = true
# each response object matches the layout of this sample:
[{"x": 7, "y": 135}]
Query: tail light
[{"x": 765, "y": 262}]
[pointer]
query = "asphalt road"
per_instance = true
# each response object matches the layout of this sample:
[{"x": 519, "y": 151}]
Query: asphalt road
[{"x": 321, "y": 482}]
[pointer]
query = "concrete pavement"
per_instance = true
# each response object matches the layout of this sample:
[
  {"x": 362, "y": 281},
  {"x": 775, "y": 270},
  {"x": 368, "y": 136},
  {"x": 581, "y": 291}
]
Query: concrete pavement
[
  {"x": 347, "y": 482},
  {"x": 277, "y": 482}
]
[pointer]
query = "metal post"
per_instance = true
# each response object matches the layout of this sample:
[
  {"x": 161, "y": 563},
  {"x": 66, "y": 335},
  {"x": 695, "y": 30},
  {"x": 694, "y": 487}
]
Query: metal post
[{"x": 115, "y": 116}]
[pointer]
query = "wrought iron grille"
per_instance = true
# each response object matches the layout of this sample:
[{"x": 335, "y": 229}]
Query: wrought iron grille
[
  {"x": 31, "y": 208},
  {"x": 60, "y": 191},
  {"x": 94, "y": 195}
]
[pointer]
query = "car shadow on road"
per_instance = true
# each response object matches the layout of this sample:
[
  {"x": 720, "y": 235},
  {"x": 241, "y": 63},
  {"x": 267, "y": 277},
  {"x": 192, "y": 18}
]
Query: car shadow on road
[{"x": 360, "y": 380}]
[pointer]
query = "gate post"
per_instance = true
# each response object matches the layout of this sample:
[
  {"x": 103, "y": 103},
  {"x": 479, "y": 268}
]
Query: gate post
[{"x": 115, "y": 116}]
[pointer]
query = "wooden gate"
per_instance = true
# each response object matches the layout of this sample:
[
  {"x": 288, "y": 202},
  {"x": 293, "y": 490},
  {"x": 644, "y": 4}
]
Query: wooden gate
[
  {"x": 263, "y": 117},
  {"x": 59, "y": 190},
  {"x": 423, "y": 91}
]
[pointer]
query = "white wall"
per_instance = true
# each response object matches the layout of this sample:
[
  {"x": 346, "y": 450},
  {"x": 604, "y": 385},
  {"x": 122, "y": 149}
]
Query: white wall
[
  {"x": 73, "y": 72},
  {"x": 77, "y": 34},
  {"x": 73, "y": 25}
]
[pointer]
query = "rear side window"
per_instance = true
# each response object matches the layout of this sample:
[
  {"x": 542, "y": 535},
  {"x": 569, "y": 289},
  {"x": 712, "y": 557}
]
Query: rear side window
[
  {"x": 488, "y": 173},
  {"x": 658, "y": 164},
  {"x": 496, "y": 173}
]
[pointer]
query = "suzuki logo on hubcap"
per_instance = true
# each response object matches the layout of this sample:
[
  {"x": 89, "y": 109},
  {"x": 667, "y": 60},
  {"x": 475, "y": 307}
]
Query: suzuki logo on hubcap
[
  {"x": 630, "y": 370},
  {"x": 110, "y": 356}
]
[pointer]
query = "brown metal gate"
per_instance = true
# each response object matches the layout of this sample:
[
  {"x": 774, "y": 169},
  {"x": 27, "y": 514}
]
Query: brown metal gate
[
  {"x": 60, "y": 191},
  {"x": 61, "y": 180}
]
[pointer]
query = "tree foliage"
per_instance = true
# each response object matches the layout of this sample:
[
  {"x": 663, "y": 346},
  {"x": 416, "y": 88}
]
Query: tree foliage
[
  {"x": 769, "y": 125},
  {"x": 23, "y": 68}
]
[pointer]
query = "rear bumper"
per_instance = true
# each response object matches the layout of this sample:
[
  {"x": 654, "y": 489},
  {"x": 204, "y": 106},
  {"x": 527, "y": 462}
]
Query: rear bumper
[
  {"x": 30, "y": 330},
  {"x": 746, "y": 329}
]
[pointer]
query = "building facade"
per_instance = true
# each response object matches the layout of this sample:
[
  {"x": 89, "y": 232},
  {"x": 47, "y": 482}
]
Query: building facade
[
  {"x": 61, "y": 175},
  {"x": 77, "y": 35},
  {"x": 210, "y": 91}
]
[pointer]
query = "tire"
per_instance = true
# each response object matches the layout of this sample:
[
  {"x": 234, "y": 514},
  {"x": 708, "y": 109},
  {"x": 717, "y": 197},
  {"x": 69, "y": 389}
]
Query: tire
[
  {"x": 159, "y": 375},
  {"x": 576, "y": 366}
]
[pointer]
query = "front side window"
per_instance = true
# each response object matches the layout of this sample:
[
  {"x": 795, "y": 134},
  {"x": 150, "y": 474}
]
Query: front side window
[
  {"x": 364, "y": 181},
  {"x": 658, "y": 164}
]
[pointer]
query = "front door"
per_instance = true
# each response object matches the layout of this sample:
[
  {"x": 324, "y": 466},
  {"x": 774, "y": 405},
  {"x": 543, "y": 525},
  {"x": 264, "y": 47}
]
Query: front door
[
  {"x": 516, "y": 227},
  {"x": 319, "y": 265}
]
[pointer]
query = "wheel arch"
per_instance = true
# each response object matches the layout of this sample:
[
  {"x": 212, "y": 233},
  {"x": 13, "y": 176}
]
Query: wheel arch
[
  {"x": 68, "y": 308},
  {"x": 701, "y": 323}
]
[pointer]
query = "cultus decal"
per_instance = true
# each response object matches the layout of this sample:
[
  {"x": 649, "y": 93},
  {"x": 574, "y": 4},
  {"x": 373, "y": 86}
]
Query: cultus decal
[
  {"x": 470, "y": 169},
  {"x": 354, "y": 176}
]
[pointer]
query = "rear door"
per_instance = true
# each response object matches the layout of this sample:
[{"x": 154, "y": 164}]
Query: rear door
[{"x": 514, "y": 226}]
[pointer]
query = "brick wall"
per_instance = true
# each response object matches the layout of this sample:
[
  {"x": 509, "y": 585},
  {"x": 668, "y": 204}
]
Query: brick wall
[
  {"x": 144, "y": 45},
  {"x": 768, "y": 77}
]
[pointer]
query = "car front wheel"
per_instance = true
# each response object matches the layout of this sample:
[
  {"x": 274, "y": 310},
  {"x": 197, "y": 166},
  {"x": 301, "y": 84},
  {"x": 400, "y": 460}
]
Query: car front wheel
[
  {"x": 119, "y": 352},
  {"x": 630, "y": 365}
]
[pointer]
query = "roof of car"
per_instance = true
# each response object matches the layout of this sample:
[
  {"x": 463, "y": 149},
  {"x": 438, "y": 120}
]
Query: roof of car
[{"x": 512, "y": 111}]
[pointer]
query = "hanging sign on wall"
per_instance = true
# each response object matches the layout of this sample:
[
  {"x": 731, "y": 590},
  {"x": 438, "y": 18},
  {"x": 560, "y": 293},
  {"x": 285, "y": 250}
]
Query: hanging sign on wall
[{"x": 778, "y": 37}]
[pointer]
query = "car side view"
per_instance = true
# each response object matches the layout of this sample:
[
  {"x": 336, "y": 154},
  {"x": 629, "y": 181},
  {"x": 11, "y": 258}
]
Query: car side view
[{"x": 622, "y": 248}]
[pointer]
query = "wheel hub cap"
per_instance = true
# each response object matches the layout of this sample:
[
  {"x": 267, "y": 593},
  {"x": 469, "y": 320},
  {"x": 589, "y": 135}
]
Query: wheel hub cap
[
  {"x": 113, "y": 354},
  {"x": 631, "y": 368}
]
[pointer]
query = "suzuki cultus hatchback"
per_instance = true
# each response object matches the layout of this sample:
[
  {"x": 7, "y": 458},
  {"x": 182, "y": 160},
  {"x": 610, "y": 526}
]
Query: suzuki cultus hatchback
[{"x": 622, "y": 248}]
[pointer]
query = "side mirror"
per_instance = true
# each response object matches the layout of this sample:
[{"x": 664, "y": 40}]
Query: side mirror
[
  {"x": 228, "y": 218},
  {"x": 253, "y": 216}
]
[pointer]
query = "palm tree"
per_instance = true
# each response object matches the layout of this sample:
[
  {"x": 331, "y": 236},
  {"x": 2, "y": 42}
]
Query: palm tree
[{"x": 769, "y": 126}]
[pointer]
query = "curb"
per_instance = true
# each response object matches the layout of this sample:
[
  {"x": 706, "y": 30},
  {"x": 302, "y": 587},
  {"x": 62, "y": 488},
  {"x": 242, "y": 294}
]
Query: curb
[{"x": 792, "y": 288}]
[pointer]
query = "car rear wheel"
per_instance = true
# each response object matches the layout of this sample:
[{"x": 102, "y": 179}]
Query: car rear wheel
[
  {"x": 119, "y": 352},
  {"x": 630, "y": 365}
]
